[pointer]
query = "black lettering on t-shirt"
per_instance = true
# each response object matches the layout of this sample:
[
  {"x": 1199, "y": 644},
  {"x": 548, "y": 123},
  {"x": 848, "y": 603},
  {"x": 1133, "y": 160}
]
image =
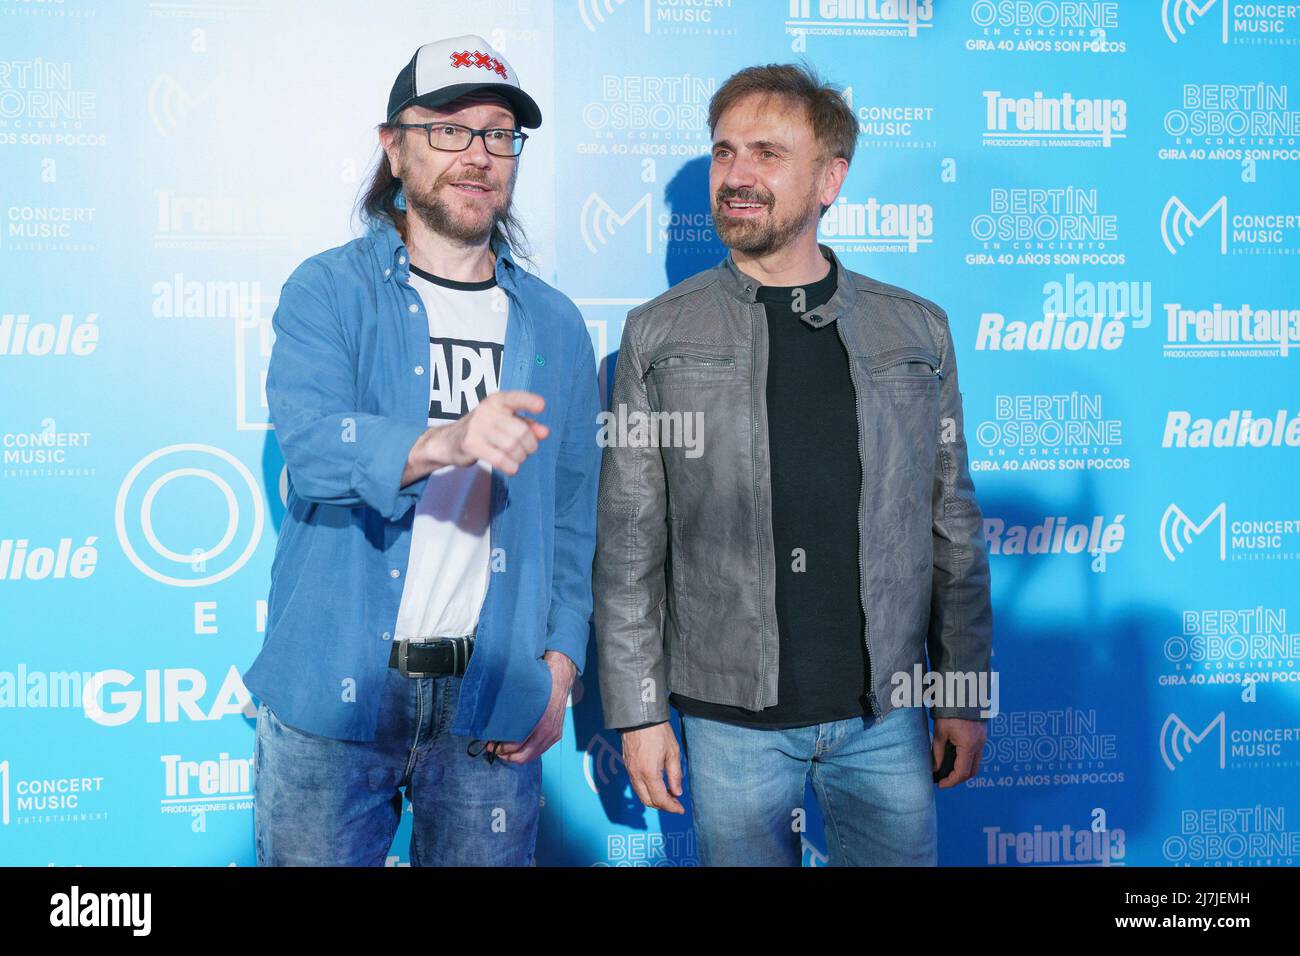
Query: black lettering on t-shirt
[{"x": 461, "y": 375}]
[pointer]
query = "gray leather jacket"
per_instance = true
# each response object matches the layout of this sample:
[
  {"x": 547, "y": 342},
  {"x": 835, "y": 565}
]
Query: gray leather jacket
[{"x": 684, "y": 570}]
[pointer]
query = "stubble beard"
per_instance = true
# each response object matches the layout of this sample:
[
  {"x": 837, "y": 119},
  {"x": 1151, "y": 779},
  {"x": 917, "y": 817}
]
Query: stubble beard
[
  {"x": 762, "y": 235},
  {"x": 442, "y": 219}
]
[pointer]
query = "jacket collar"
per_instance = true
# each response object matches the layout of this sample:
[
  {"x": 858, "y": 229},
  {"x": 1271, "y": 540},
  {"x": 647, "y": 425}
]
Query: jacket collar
[
  {"x": 745, "y": 288},
  {"x": 395, "y": 261}
]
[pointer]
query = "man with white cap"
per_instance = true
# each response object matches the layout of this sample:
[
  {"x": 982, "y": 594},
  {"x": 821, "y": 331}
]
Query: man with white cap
[{"x": 436, "y": 406}]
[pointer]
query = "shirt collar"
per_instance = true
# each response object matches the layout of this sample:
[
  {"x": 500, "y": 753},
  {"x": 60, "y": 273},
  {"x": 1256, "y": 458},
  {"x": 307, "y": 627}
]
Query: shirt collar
[
  {"x": 396, "y": 262},
  {"x": 745, "y": 288}
]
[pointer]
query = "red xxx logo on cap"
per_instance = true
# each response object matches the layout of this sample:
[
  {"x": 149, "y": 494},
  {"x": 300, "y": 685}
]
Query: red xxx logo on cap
[{"x": 481, "y": 60}]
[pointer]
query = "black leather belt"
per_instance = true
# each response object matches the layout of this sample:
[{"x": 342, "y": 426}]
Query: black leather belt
[{"x": 432, "y": 656}]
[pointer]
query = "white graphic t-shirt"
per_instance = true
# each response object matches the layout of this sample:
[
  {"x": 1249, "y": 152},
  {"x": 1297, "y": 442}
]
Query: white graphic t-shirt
[{"x": 447, "y": 572}]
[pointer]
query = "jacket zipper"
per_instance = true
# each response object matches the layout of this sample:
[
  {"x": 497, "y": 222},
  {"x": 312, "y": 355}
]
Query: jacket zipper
[
  {"x": 703, "y": 360},
  {"x": 862, "y": 490},
  {"x": 910, "y": 355},
  {"x": 755, "y": 332}
]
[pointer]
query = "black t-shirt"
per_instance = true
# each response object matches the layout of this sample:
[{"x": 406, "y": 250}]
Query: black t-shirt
[{"x": 816, "y": 477}]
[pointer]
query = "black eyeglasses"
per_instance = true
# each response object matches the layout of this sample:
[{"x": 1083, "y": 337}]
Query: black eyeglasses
[{"x": 453, "y": 138}]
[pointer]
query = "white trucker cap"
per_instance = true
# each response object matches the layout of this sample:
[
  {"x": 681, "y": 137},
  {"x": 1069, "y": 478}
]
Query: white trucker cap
[{"x": 443, "y": 70}]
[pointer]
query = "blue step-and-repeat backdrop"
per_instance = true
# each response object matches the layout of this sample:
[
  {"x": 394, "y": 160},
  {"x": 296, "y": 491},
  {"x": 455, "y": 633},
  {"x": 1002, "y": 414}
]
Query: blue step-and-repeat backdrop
[{"x": 1102, "y": 195}]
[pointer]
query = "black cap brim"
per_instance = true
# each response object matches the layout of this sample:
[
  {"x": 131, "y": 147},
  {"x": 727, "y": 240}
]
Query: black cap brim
[{"x": 527, "y": 113}]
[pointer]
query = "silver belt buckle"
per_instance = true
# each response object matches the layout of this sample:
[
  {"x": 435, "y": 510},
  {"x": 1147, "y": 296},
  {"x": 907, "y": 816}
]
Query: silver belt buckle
[
  {"x": 403, "y": 656},
  {"x": 459, "y": 651}
]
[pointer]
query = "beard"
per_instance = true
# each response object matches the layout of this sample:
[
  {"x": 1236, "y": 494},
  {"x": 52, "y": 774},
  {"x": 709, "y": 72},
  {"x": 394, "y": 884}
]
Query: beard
[
  {"x": 467, "y": 226},
  {"x": 763, "y": 234}
]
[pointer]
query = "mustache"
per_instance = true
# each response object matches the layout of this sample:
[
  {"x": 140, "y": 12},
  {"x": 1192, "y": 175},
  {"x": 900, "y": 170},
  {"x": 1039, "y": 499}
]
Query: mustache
[
  {"x": 743, "y": 195},
  {"x": 482, "y": 181}
]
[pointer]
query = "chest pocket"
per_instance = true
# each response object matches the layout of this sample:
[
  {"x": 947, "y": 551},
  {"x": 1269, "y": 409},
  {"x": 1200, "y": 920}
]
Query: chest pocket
[
  {"x": 677, "y": 368},
  {"x": 907, "y": 368}
]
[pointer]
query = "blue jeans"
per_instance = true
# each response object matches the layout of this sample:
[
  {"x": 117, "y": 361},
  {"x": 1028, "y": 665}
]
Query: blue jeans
[
  {"x": 326, "y": 802},
  {"x": 872, "y": 780}
]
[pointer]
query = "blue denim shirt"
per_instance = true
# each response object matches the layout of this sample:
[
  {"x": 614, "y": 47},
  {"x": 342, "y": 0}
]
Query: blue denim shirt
[{"x": 348, "y": 391}]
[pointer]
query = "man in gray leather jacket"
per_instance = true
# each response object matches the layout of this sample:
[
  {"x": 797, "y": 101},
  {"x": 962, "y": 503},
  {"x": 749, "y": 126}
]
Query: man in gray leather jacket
[{"x": 780, "y": 571}]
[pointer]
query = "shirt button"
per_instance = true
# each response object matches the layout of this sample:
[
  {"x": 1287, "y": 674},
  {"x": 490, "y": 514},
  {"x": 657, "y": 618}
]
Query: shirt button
[
  {"x": 413, "y": 307},
  {"x": 419, "y": 370},
  {"x": 394, "y": 573},
  {"x": 387, "y": 636},
  {"x": 387, "y": 273},
  {"x": 401, "y": 260}
]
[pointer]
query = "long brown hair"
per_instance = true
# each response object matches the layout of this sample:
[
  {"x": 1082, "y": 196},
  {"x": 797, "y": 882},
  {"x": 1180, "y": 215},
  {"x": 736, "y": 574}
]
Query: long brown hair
[{"x": 378, "y": 203}]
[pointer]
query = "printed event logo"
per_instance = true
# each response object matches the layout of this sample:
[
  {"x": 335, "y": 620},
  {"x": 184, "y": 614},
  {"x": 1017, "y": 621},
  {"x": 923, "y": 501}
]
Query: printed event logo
[
  {"x": 171, "y": 105},
  {"x": 1239, "y": 122},
  {"x": 141, "y": 510},
  {"x": 1253, "y": 233},
  {"x": 858, "y": 18},
  {"x": 46, "y": 103},
  {"x": 599, "y": 221},
  {"x": 602, "y": 763},
  {"x": 642, "y": 114},
  {"x": 1177, "y": 740},
  {"x": 1065, "y": 431},
  {"x": 1240, "y": 646},
  {"x": 1064, "y": 121},
  {"x": 1256, "y": 24},
  {"x": 662, "y": 17},
  {"x": 1066, "y": 225},
  {"x": 1046, "y": 26},
  {"x": 1177, "y": 530},
  {"x": 874, "y": 226},
  {"x": 1237, "y": 330},
  {"x": 1267, "y": 538},
  {"x": 643, "y": 226},
  {"x": 1178, "y": 223},
  {"x": 1229, "y": 835},
  {"x": 1060, "y": 746},
  {"x": 44, "y": 800}
]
